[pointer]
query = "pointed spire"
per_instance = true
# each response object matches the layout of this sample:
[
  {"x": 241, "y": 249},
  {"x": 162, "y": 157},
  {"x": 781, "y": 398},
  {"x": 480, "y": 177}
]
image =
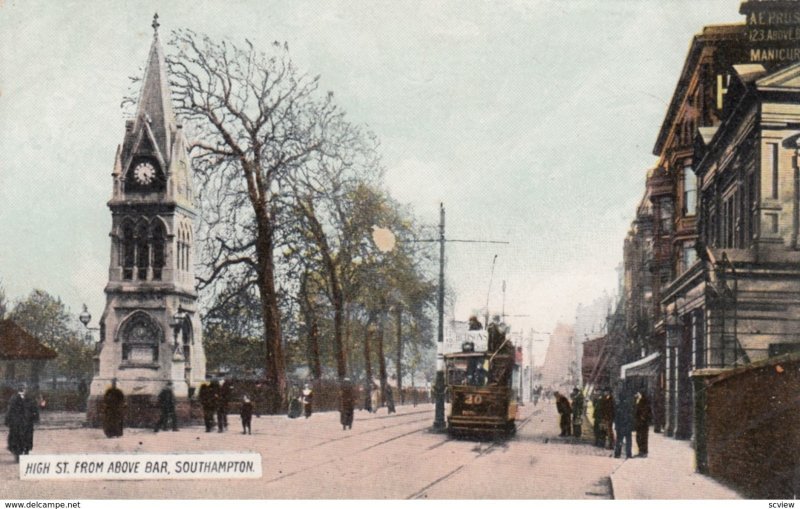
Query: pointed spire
[{"x": 155, "y": 104}]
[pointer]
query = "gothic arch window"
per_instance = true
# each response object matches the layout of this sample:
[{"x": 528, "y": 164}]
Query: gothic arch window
[
  {"x": 140, "y": 335},
  {"x": 184, "y": 241},
  {"x": 187, "y": 247},
  {"x": 127, "y": 250},
  {"x": 182, "y": 248},
  {"x": 158, "y": 248},
  {"x": 142, "y": 251},
  {"x": 186, "y": 336}
]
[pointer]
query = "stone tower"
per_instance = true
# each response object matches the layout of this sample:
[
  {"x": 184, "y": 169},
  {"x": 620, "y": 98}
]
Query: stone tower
[{"x": 150, "y": 329}]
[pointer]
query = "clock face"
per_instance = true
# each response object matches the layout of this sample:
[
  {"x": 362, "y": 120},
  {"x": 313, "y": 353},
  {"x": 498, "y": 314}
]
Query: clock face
[{"x": 144, "y": 173}]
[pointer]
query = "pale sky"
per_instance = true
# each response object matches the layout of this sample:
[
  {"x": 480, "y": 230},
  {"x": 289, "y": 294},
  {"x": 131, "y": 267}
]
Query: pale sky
[{"x": 533, "y": 121}]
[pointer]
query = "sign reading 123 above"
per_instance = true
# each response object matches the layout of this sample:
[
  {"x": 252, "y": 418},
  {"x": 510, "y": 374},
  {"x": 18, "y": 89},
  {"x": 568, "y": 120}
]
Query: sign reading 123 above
[{"x": 773, "y": 30}]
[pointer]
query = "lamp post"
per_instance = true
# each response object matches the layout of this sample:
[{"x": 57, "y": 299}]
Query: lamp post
[
  {"x": 85, "y": 317},
  {"x": 176, "y": 322}
]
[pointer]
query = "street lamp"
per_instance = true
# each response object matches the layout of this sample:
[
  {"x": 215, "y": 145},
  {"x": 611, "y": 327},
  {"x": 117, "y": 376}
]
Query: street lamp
[
  {"x": 85, "y": 317},
  {"x": 177, "y": 323}
]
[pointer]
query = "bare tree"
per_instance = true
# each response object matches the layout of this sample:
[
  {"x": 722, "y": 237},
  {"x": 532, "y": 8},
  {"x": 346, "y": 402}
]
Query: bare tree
[{"x": 256, "y": 120}]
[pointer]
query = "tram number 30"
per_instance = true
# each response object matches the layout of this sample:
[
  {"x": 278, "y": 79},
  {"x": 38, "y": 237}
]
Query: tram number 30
[{"x": 473, "y": 399}]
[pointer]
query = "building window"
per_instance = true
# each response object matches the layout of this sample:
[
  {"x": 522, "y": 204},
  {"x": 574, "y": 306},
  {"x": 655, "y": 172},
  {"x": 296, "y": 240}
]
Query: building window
[
  {"x": 752, "y": 202},
  {"x": 689, "y": 255},
  {"x": 158, "y": 248},
  {"x": 128, "y": 250},
  {"x": 666, "y": 217},
  {"x": 142, "y": 252},
  {"x": 142, "y": 247},
  {"x": 698, "y": 340},
  {"x": 772, "y": 164},
  {"x": 689, "y": 192}
]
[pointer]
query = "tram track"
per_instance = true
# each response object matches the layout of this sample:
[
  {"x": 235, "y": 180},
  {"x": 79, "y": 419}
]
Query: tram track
[
  {"x": 416, "y": 430},
  {"x": 483, "y": 452},
  {"x": 360, "y": 450}
]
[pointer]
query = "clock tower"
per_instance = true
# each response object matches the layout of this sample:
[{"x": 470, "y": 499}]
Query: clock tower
[{"x": 150, "y": 331}]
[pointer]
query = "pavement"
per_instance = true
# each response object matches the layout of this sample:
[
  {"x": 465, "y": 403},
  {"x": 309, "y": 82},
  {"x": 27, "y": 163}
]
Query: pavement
[{"x": 667, "y": 473}]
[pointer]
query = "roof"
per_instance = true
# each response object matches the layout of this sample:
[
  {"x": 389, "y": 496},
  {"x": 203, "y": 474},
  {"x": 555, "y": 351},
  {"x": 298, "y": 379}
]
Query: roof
[
  {"x": 155, "y": 102},
  {"x": 712, "y": 35},
  {"x": 17, "y": 344},
  {"x": 784, "y": 80}
]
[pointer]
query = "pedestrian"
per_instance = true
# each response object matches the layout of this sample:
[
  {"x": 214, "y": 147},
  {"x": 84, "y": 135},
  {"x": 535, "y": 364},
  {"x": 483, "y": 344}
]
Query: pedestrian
[
  {"x": 564, "y": 412},
  {"x": 166, "y": 404},
  {"x": 208, "y": 396},
  {"x": 346, "y": 403},
  {"x": 537, "y": 393},
  {"x": 599, "y": 438},
  {"x": 643, "y": 418},
  {"x": 577, "y": 412},
  {"x": 83, "y": 393},
  {"x": 623, "y": 423},
  {"x": 113, "y": 410},
  {"x": 222, "y": 405},
  {"x": 607, "y": 411},
  {"x": 390, "y": 400},
  {"x": 308, "y": 395},
  {"x": 22, "y": 414},
  {"x": 246, "y": 413},
  {"x": 295, "y": 404},
  {"x": 375, "y": 398}
]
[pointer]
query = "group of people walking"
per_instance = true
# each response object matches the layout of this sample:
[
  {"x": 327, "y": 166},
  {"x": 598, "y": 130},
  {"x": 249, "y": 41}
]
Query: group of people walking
[{"x": 616, "y": 420}]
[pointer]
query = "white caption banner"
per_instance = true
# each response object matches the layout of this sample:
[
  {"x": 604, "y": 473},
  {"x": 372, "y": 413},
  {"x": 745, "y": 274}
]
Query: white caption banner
[{"x": 228, "y": 465}]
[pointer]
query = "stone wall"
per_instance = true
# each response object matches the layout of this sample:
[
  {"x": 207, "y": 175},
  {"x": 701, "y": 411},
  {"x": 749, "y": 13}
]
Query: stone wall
[{"x": 753, "y": 419}]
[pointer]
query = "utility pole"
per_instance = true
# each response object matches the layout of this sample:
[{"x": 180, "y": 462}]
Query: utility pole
[{"x": 438, "y": 420}]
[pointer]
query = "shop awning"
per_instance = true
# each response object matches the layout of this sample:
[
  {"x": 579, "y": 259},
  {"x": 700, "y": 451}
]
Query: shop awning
[{"x": 646, "y": 366}]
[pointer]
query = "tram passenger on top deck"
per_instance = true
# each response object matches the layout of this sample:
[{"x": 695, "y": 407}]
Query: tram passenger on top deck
[{"x": 474, "y": 323}]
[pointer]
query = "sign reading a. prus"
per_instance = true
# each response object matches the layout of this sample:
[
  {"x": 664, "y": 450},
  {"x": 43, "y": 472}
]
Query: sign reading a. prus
[{"x": 773, "y": 31}]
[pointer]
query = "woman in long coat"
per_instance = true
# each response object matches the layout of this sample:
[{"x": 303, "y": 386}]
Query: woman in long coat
[
  {"x": 346, "y": 404},
  {"x": 113, "y": 411},
  {"x": 22, "y": 414}
]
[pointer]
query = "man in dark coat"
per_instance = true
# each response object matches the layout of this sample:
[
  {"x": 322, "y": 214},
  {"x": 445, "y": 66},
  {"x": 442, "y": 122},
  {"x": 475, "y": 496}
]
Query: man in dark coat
[
  {"x": 607, "y": 411},
  {"x": 346, "y": 403},
  {"x": 208, "y": 401},
  {"x": 166, "y": 404},
  {"x": 22, "y": 414},
  {"x": 564, "y": 412},
  {"x": 222, "y": 405},
  {"x": 577, "y": 412},
  {"x": 643, "y": 418},
  {"x": 599, "y": 436},
  {"x": 246, "y": 413},
  {"x": 623, "y": 422},
  {"x": 113, "y": 411}
]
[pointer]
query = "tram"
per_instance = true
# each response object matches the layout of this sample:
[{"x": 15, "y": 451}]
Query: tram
[{"x": 481, "y": 388}]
